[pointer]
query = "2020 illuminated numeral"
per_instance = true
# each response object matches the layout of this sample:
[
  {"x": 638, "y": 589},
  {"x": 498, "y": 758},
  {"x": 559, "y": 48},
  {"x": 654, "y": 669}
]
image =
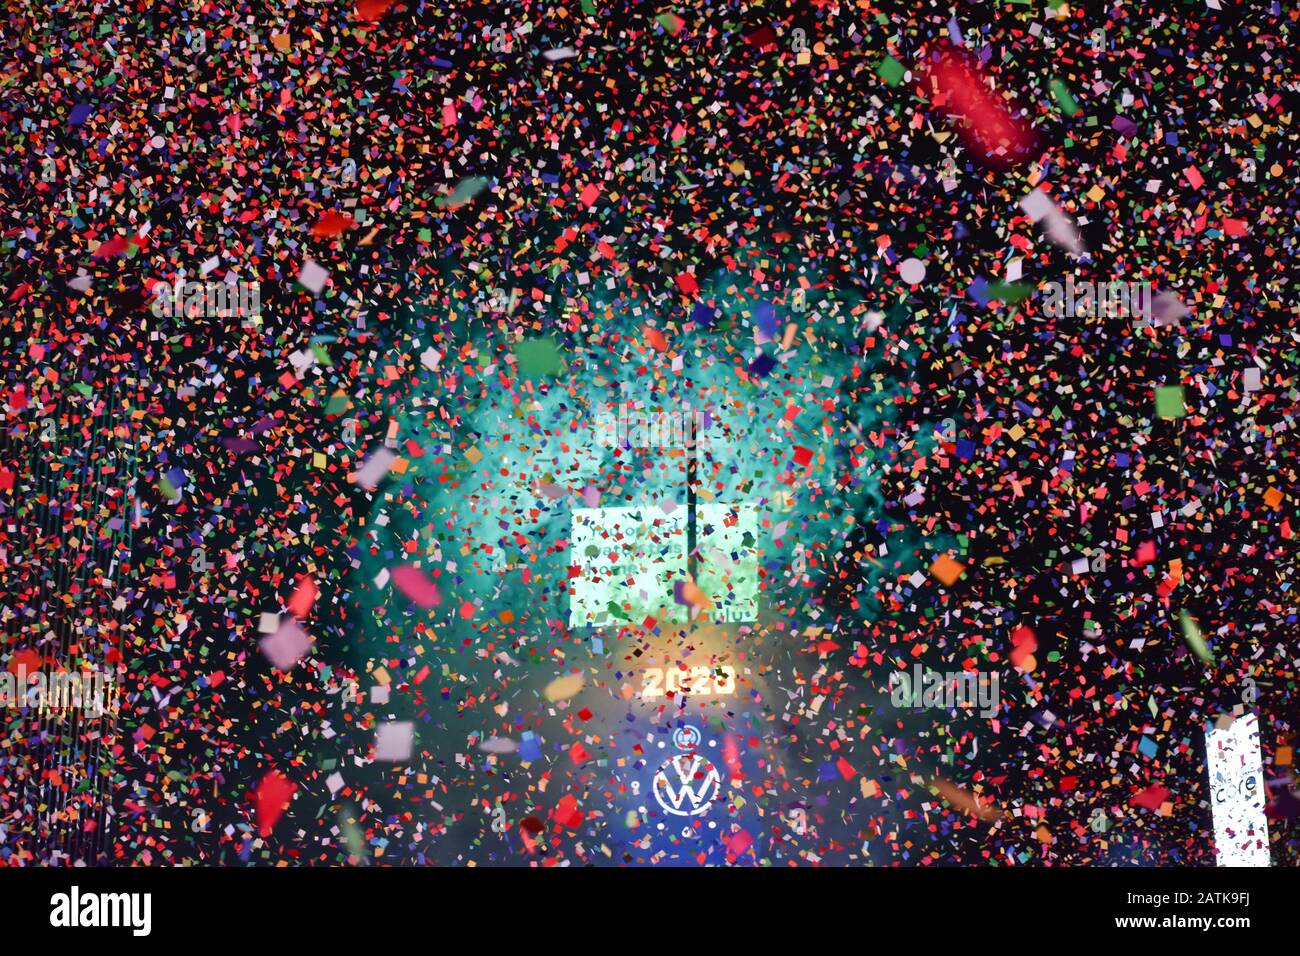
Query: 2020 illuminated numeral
[{"x": 698, "y": 681}]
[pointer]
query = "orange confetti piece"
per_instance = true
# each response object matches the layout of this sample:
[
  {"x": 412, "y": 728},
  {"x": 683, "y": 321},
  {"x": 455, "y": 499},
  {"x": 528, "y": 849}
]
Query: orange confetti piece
[
  {"x": 962, "y": 800},
  {"x": 946, "y": 570}
]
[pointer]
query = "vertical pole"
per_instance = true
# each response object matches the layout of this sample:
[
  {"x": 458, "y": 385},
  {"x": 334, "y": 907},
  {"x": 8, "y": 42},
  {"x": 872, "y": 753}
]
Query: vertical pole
[{"x": 690, "y": 498}]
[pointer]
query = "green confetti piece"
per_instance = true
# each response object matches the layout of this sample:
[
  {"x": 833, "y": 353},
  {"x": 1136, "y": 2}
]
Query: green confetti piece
[
  {"x": 1192, "y": 635},
  {"x": 1063, "y": 98},
  {"x": 352, "y": 837},
  {"x": 538, "y": 357},
  {"x": 465, "y": 190},
  {"x": 1008, "y": 292},
  {"x": 1169, "y": 401},
  {"x": 670, "y": 22},
  {"x": 890, "y": 70}
]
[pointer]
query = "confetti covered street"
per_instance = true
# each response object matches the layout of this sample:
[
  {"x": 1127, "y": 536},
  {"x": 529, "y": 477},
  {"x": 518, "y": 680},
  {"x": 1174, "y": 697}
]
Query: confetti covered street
[{"x": 607, "y": 434}]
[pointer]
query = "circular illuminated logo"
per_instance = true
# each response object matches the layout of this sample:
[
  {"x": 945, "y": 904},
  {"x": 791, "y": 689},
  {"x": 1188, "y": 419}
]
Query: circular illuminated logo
[
  {"x": 688, "y": 783},
  {"x": 687, "y": 737}
]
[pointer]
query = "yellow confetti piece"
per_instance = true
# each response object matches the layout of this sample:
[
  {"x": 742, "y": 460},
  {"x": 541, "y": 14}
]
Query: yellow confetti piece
[{"x": 563, "y": 688}]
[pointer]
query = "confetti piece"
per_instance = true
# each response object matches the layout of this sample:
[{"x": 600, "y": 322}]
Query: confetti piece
[
  {"x": 946, "y": 570},
  {"x": 331, "y": 224},
  {"x": 304, "y": 597},
  {"x": 1064, "y": 100},
  {"x": 465, "y": 191},
  {"x": 416, "y": 586},
  {"x": 1192, "y": 635},
  {"x": 312, "y": 276},
  {"x": 890, "y": 70},
  {"x": 274, "y": 793},
  {"x": 912, "y": 271},
  {"x": 964, "y": 801},
  {"x": 287, "y": 646},
  {"x": 984, "y": 121},
  {"x": 537, "y": 357},
  {"x": 563, "y": 688},
  {"x": 1169, "y": 401},
  {"x": 375, "y": 467}
]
